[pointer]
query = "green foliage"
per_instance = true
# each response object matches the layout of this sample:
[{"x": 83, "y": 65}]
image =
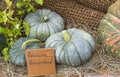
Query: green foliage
[
  {"x": 12, "y": 25},
  {"x": 39, "y": 1}
]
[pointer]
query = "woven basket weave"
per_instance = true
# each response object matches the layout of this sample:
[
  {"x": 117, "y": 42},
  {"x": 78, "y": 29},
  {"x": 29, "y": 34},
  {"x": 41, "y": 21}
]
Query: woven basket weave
[
  {"x": 101, "y": 5},
  {"x": 73, "y": 12}
]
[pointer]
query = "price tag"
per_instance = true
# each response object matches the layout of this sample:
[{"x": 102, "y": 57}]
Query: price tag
[{"x": 40, "y": 62}]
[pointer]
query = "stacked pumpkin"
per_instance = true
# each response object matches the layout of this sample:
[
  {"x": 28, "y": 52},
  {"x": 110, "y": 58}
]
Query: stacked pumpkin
[
  {"x": 109, "y": 30},
  {"x": 72, "y": 47}
]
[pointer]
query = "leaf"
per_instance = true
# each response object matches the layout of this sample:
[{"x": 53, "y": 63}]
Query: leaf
[
  {"x": 27, "y": 28},
  {"x": 5, "y": 53},
  {"x": 5, "y": 18},
  {"x": 10, "y": 13},
  {"x": 19, "y": 5},
  {"x": 1, "y": 20},
  {"x": 16, "y": 32},
  {"x": 1, "y": 13},
  {"x": 20, "y": 12},
  {"x": 6, "y": 57},
  {"x": 39, "y": 2},
  {"x": 3, "y": 30},
  {"x": 11, "y": 44},
  {"x": 31, "y": 8},
  {"x": 9, "y": 3}
]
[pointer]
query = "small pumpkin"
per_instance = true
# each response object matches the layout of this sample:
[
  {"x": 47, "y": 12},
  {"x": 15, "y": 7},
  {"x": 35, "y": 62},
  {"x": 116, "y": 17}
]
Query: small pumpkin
[
  {"x": 3, "y": 42},
  {"x": 109, "y": 30},
  {"x": 44, "y": 22},
  {"x": 17, "y": 51},
  {"x": 72, "y": 47}
]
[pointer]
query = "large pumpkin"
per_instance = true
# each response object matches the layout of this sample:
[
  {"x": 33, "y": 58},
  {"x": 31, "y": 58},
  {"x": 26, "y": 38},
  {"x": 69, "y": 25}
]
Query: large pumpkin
[
  {"x": 43, "y": 23},
  {"x": 109, "y": 30},
  {"x": 17, "y": 51},
  {"x": 72, "y": 47},
  {"x": 3, "y": 42}
]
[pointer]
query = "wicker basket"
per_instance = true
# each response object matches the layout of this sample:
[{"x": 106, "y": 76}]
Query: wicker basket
[
  {"x": 74, "y": 13},
  {"x": 101, "y": 5}
]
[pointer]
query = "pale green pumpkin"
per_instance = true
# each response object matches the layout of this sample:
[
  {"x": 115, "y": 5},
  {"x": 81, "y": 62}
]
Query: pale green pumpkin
[
  {"x": 17, "y": 51},
  {"x": 72, "y": 47},
  {"x": 43, "y": 23}
]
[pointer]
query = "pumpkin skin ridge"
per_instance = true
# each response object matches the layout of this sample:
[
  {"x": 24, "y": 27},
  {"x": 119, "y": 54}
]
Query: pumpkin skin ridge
[
  {"x": 16, "y": 62},
  {"x": 87, "y": 42},
  {"x": 29, "y": 19},
  {"x": 67, "y": 57},
  {"x": 51, "y": 29},
  {"x": 77, "y": 51},
  {"x": 57, "y": 19},
  {"x": 70, "y": 63},
  {"x": 60, "y": 57},
  {"x": 55, "y": 39},
  {"x": 83, "y": 60},
  {"x": 43, "y": 11},
  {"x": 62, "y": 47},
  {"x": 66, "y": 53},
  {"x": 19, "y": 60},
  {"x": 56, "y": 26},
  {"x": 48, "y": 29},
  {"x": 91, "y": 41},
  {"x": 54, "y": 15},
  {"x": 71, "y": 33},
  {"x": 55, "y": 43},
  {"x": 33, "y": 31},
  {"x": 38, "y": 14},
  {"x": 39, "y": 30}
]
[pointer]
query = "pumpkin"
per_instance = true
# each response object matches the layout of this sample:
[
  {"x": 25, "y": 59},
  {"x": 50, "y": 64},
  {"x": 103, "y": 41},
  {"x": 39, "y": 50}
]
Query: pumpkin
[
  {"x": 3, "y": 42},
  {"x": 72, "y": 47},
  {"x": 44, "y": 23},
  {"x": 109, "y": 30},
  {"x": 17, "y": 51}
]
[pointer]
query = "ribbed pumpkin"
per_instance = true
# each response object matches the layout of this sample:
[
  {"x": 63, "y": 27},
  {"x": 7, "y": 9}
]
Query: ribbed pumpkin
[
  {"x": 43, "y": 23},
  {"x": 109, "y": 30},
  {"x": 3, "y": 42},
  {"x": 17, "y": 51},
  {"x": 72, "y": 47}
]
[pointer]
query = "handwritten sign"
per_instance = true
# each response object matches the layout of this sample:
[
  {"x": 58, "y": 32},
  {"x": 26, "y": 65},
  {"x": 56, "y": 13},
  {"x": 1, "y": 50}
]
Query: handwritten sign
[{"x": 40, "y": 62}]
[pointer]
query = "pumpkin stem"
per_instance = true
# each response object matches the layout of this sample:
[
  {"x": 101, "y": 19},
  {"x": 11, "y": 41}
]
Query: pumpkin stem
[
  {"x": 66, "y": 35},
  {"x": 44, "y": 19},
  {"x": 29, "y": 41}
]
